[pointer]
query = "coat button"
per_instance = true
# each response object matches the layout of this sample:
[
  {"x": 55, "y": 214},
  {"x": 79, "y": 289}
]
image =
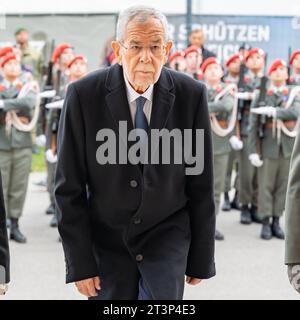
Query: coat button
[
  {"x": 139, "y": 257},
  {"x": 133, "y": 183},
  {"x": 137, "y": 220}
]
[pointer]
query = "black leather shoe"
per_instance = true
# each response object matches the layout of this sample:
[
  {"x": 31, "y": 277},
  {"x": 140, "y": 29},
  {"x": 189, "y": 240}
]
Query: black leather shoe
[
  {"x": 50, "y": 209},
  {"x": 15, "y": 233},
  {"x": 254, "y": 216},
  {"x": 276, "y": 229},
  {"x": 53, "y": 222},
  {"x": 266, "y": 232},
  {"x": 226, "y": 205},
  {"x": 219, "y": 236},
  {"x": 245, "y": 215},
  {"x": 235, "y": 202}
]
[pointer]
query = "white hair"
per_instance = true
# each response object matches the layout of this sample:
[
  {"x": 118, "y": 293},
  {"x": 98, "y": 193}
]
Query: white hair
[{"x": 143, "y": 13}]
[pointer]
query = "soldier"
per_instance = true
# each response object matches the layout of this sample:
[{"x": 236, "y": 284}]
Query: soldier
[
  {"x": 295, "y": 65},
  {"x": 177, "y": 61},
  {"x": 25, "y": 75},
  {"x": 32, "y": 60},
  {"x": 15, "y": 144},
  {"x": 233, "y": 65},
  {"x": 221, "y": 109},
  {"x": 193, "y": 59},
  {"x": 61, "y": 57},
  {"x": 292, "y": 217},
  {"x": 255, "y": 62},
  {"x": 275, "y": 148},
  {"x": 77, "y": 68},
  {"x": 197, "y": 39}
]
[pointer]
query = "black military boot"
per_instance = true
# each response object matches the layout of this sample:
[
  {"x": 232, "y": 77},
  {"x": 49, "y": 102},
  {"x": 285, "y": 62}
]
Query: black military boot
[
  {"x": 235, "y": 202},
  {"x": 254, "y": 216},
  {"x": 245, "y": 215},
  {"x": 266, "y": 232},
  {"x": 276, "y": 229},
  {"x": 226, "y": 205},
  {"x": 219, "y": 236},
  {"x": 53, "y": 222},
  {"x": 50, "y": 209},
  {"x": 15, "y": 233}
]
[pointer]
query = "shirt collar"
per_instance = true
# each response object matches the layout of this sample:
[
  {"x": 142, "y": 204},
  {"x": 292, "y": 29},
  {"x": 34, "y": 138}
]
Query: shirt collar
[{"x": 133, "y": 95}]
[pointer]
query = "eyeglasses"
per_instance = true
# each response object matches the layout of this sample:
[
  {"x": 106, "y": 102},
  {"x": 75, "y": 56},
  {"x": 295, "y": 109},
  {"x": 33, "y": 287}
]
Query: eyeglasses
[{"x": 156, "y": 50}]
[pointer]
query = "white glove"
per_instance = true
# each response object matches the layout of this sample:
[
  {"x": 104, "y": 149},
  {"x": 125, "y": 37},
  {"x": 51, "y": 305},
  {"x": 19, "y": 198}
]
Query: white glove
[
  {"x": 55, "y": 105},
  {"x": 268, "y": 111},
  {"x": 48, "y": 94},
  {"x": 1, "y": 104},
  {"x": 255, "y": 160},
  {"x": 52, "y": 158},
  {"x": 236, "y": 143},
  {"x": 244, "y": 95},
  {"x": 41, "y": 140}
]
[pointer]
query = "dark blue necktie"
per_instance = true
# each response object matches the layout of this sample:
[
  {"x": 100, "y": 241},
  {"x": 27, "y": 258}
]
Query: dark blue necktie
[{"x": 141, "y": 121}]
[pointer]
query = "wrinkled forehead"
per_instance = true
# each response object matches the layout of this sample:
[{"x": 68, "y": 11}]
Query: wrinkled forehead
[{"x": 139, "y": 30}]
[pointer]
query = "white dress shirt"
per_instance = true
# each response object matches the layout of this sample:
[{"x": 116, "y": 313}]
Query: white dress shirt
[{"x": 132, "y": 95}]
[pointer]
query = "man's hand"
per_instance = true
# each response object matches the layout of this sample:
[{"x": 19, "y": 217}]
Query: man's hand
[
  {"x": 294, "y": 276},
  {"x": 193, "y": 281},
  {"x": 88, "y": 287}
]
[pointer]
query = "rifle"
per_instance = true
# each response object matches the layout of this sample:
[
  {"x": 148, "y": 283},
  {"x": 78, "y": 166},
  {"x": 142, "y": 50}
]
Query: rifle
[
  {"x": 241, "y": 88},
  {"x": 48, "y": 71},
  {"x": 288, "y": 65},
  {"x": 261, "y": 103},
  {"x": 56, "y": 115}
]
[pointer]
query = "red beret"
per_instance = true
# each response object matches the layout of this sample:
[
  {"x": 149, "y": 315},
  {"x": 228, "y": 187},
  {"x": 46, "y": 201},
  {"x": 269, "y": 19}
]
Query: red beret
[
  {"x": 276, "y": 64},
  {"x": 77, "y": 57},
  {"x": 191, "y": 49},
  {"x": 5, "y": 50},
  {"x": 293, "y": 55},
  {"x": 253, "y": 51},
  {"x": 10, "y": 56},
  {"x": 59, "y": 50},
  {"x": 208, "y": 61},
  {"x": 232, "y": 58},
  {"x": 175, "y": 55},
  {"x": 111, "y": 57}
]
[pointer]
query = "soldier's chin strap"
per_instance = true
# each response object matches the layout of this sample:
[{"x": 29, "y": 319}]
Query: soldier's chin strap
[
  {"x": 12, "y": 118},
  {"x": 218, "y": 130},
  {"x": 279, "y": 126}
]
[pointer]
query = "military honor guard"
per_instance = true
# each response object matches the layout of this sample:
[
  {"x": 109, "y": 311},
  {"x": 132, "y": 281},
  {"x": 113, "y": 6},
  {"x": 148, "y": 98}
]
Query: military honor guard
[
  {"x": 18, "y": 113},
  {"x": 271, "y": 152},
  {"x": 222, "y": 107}
]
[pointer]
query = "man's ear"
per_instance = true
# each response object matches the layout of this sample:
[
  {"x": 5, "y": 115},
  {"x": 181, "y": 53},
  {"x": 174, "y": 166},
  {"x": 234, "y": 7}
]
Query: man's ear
[
  {"x": 116, "y": 48},
  {"x": 168, "y": 48}
]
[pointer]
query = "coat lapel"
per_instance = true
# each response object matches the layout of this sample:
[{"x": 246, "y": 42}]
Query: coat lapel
[{"x": 163, "y": 100}]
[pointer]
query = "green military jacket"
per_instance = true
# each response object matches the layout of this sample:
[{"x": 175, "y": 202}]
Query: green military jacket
[
  {"x": 222, "y": 109},
  {"x": 292, "y": 212},
  {"x": 33, "y": 61},
  {"x": 24, "y": 107},
  {"x": 269, "y": 144}
]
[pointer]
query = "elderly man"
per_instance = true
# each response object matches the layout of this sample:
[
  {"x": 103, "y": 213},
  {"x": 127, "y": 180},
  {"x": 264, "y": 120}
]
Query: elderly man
[
  {"x": 133, "y": 230},
  {"x": 4, "y": 252}
]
